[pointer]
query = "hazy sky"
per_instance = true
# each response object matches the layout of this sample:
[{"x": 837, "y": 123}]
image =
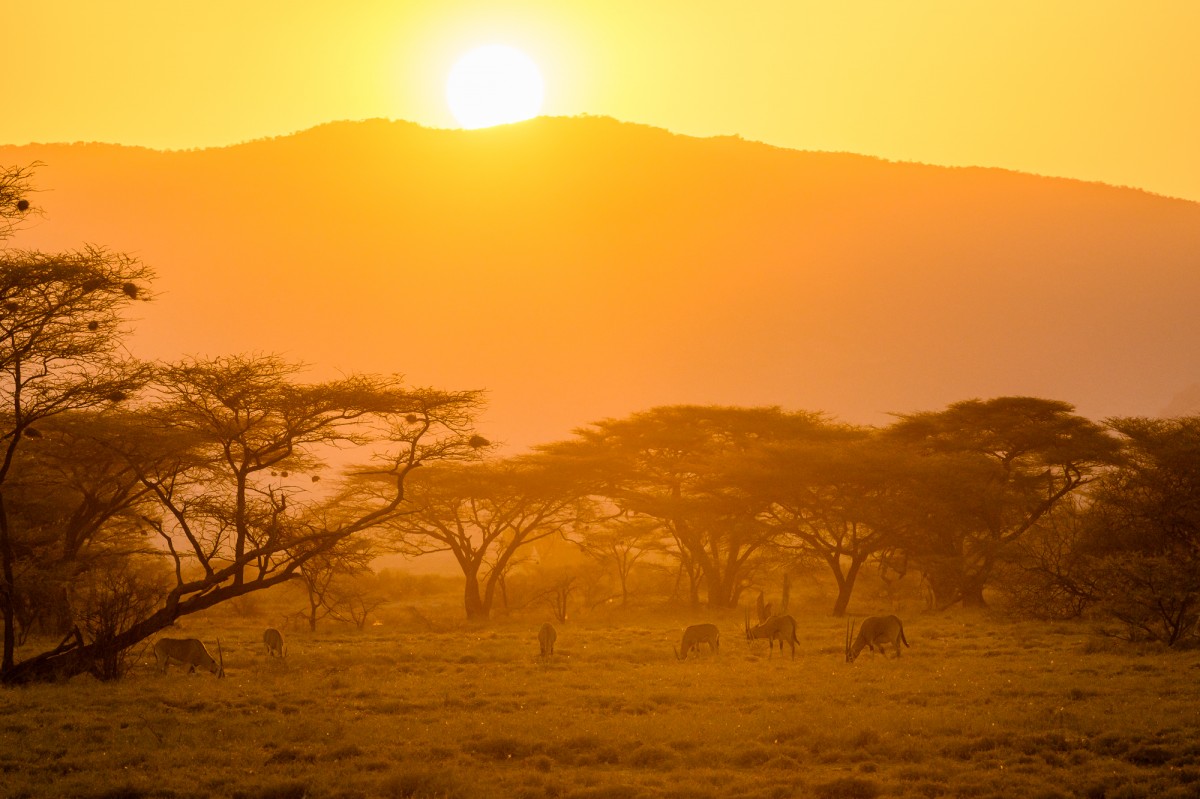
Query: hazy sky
[{"x": 1092, "y": 89}]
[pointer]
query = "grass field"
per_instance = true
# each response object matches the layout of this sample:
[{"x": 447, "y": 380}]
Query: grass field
[{"x": 978, "y": 707}]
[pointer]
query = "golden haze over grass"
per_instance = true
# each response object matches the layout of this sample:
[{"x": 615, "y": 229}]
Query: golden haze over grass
[{"x": 977, "y": 707}]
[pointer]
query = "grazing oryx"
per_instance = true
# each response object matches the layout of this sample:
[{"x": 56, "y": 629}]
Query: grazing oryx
[
  {"x": 546, "y": 638},
  {"x": 699, "y": 634},
  {"x": 188, "y": 652},
  {"x": 874, "y": 632},
  {"x": 776, "y": 628},
  {"x": 273, "y": 639}
]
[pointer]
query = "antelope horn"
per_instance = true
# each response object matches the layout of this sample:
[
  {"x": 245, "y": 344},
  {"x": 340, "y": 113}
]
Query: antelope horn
[{"x": 221, "y": 660}]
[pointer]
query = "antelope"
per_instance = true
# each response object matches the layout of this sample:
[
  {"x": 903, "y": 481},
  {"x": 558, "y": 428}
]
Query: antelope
[
  {"x": 699, "y": 634},
  {"x": 273, "y": 640},
  {"x": 876, "y": 631},
  {"x": 188, "y": 652},
  {"x": 546, "y": 638},
  {"x": 776, "y": 628}
]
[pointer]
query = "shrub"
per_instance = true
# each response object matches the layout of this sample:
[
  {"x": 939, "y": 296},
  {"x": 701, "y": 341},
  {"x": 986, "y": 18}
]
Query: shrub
[
  {"x": 650, "y": 756},
  {"x": 751, "y": 757},
  {"x": 501, "y": 748},
  {"x": 283, "y": 790},
  {"x": 847, "y": 788},
  {"x": 421, "y": 785}
]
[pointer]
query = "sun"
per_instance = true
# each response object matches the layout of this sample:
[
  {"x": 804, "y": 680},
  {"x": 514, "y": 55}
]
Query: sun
[{"x": 493, "y": 85}]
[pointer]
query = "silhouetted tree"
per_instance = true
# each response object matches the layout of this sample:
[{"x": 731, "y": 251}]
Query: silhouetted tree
[
  {"x": 620, "y": 543},
  {"x": 839, "y": 498},
  {"x": 60, "y": 350},
  {"x": 75, "y": 503},
  {"x": 355, "y": 597},
  {"x": 1002, "y": 464},
  {"x": 674, "y": 464},
  {"x": 240, "y": 509},
  {"x": 1050, "y": 575},
  {"x": 320, "y": 575},
  {"x": 484, "y": 514},
  {"x": 1143, "y": 545},
  {"x": 110, "y": 597}
]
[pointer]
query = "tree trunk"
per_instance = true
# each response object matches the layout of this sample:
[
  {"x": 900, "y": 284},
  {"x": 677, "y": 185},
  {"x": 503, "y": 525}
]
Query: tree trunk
[
  {"x": 723, "y": 592},
  {"x": 974, "y": 580},
  {"x": 846, "y": 588},
  {"x": 693, "y": 583},
  {"x": 944, "y": 576},
  {"x": 718, "y": 591},
  {"x": 477, "y": 609},
  {"x": 8, "y": 592},
  {"x": 972, "y": 594},
  {"x": 73, "y": 658},
  {"x": 722, "y": 602}
]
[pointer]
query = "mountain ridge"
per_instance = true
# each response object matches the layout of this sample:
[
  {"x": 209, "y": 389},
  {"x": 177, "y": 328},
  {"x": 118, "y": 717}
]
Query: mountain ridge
[
  {"x": 585, "y": 267},
  {"x": 345, "y": 123}
]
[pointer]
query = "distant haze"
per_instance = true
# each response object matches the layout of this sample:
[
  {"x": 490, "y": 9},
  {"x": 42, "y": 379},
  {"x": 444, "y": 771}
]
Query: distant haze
[{"x": 579, "y": 268}]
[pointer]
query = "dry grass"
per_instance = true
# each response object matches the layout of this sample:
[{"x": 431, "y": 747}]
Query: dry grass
[{"x": 976, "y": 708}]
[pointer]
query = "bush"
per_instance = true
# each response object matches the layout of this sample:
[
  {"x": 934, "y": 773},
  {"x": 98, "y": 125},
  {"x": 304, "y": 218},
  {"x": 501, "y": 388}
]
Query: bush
[
  {"x": 421, "y": 785},
  {"x": 847, "y": 788},
  {"x": 650, "y": 756},
  {"x": 1153, "y": 598}
]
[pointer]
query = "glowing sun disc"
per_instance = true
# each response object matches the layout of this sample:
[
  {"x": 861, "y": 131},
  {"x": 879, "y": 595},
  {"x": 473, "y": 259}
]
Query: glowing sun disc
[{"x": 493, "y": 85}]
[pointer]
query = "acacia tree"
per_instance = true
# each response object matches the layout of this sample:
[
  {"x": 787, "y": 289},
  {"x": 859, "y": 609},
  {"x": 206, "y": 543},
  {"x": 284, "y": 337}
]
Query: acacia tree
[
  {"x": 1131, "y": 551},
  {"x": 620, "y": 543},
  {"x": 1142, "y": 548},
  {"x": 321, "y": 574},
  {"x": 354, "y": 597},
  {"x": 1004, "y": 464},
  {"x": 674, "y": 464},
  {"x": 74, "y": 500},
  {"x": 484, "y": 515},
  {"x": 60, "y": 350},
  {"x": 240, "y": 509},
  {"x": 839, "y": 499},
  {"x": 1048, "y": 576}
]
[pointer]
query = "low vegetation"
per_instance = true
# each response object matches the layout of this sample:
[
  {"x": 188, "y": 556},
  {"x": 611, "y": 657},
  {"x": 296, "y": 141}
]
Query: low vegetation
[{"x": 978, "y": 707}]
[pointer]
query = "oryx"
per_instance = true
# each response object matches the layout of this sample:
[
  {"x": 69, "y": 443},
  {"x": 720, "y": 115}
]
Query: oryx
[
  {"x": 699, "y": 634},
  {"x": 776, "y": 628},
  {"x": 875, "y": 631},
  {"x": 273, "y": 640},
  {"x": 188, "y": 652},
  {"x": 547, "y": 635}
]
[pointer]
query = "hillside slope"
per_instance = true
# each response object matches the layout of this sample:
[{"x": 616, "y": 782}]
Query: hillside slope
[{"x": 580, "y": 268}]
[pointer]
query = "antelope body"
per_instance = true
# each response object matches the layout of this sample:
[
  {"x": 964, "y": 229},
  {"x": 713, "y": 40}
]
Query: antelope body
[
  {"x": 188, "y": 652},
  {"x": 546, "y": 638},
  {"x": 875, "y": 631},
  {"x": 699, "y": 634},
  {"x": 273, "y": 640},
  {"x": 776, "y": 628}
]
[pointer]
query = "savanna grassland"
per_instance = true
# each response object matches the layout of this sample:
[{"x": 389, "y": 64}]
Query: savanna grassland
[{"x": 977, "y": 707}]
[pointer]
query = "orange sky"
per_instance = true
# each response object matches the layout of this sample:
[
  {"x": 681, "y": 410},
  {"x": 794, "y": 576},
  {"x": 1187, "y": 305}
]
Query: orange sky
[{"x": 1092, "y": 89}]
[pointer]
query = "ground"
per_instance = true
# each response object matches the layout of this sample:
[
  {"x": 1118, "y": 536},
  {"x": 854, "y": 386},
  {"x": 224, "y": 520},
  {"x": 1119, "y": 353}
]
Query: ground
[{"x": 977, "y": 707}]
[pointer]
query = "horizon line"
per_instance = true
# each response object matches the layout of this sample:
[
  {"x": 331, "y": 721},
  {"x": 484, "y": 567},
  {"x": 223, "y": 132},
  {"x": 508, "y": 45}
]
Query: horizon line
[{"x": 579, "y": 117}]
